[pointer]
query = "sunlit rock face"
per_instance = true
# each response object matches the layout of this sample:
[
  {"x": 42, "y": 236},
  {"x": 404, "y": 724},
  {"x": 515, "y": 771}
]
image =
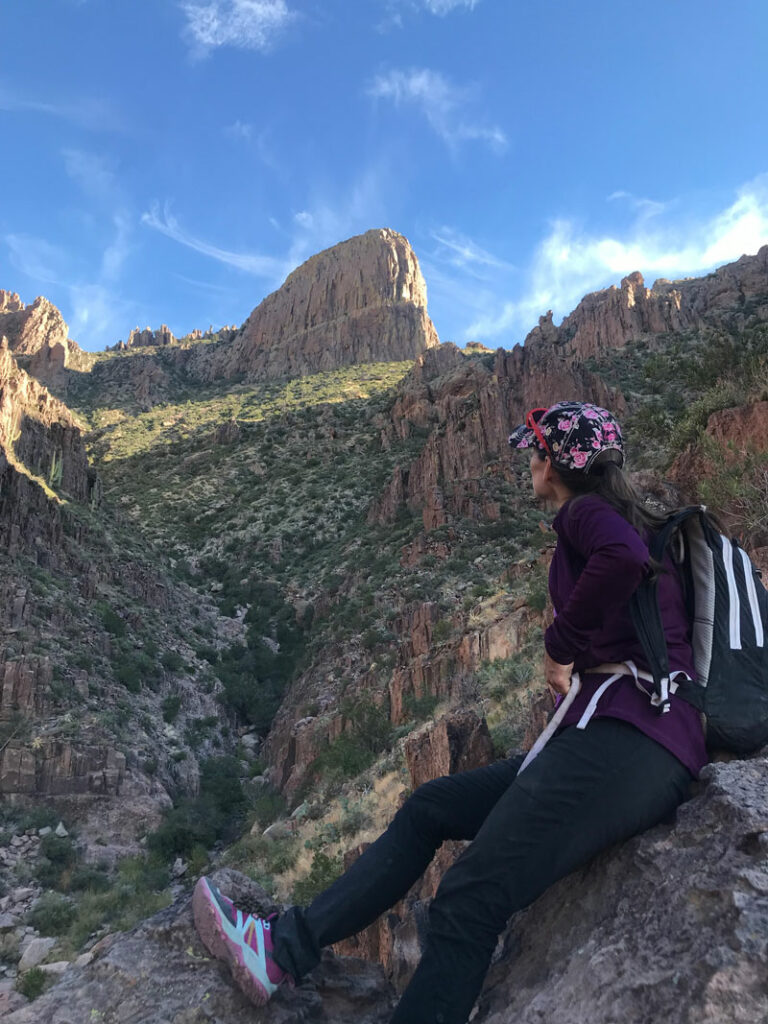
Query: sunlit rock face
[{"x": 361, "y": 301}]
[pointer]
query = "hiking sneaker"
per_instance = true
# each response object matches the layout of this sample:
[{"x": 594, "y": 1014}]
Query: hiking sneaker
[{"x": 243, "y": 941}]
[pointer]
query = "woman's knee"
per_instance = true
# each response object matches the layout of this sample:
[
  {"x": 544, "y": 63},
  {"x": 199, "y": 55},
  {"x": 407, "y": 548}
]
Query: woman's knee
[{"x": 428, "y": 811}]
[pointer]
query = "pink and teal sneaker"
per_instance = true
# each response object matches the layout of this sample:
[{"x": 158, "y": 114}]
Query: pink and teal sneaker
[{"x": 243, "y": 941}]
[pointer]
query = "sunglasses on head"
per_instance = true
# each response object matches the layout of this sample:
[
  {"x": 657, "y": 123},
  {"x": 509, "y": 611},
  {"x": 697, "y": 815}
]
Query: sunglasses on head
[{"x": 532, "y": 422}]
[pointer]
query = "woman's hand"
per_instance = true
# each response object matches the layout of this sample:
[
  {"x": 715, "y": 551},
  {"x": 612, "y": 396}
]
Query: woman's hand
[{"x": 558, "y": 676}]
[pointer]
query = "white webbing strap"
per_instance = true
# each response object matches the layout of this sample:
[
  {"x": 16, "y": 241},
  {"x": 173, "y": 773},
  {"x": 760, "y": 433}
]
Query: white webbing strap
[
  {"x": 617, "y": 670},
  {"x": 592, "y": 706},
  {"x": 554, "y": 722}
]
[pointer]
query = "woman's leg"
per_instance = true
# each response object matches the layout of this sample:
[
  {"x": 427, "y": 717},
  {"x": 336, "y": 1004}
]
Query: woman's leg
[
  {"x": 587, "y": 790},
  {"x": 452, "y": 807}
]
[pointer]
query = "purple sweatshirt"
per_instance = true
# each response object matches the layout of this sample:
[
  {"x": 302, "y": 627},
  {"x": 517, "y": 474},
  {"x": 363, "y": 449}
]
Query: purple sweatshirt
[{"x": 598, "y": 562}]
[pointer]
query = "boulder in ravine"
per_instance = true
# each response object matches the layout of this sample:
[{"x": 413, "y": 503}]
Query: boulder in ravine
[{"x": 361, "y": 301}]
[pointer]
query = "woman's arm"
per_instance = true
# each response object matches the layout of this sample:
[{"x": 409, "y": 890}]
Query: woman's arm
[{"x": 616, "y": 560}]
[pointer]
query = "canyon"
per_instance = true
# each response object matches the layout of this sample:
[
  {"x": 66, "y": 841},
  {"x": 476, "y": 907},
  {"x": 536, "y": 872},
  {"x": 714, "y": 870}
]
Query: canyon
[{"x": 329, "y": 484}]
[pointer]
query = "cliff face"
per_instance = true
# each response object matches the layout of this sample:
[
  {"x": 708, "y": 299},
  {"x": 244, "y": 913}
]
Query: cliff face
[
  {"x": 38, "y": 436},
  {"x": 363, "y": 300}
]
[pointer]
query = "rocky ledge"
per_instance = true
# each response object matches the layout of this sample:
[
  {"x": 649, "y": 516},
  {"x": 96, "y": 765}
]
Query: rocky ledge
[{"x": 671, "y": 926}]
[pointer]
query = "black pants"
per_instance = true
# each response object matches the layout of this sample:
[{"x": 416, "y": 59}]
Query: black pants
[{"x": 586, "y": 790}]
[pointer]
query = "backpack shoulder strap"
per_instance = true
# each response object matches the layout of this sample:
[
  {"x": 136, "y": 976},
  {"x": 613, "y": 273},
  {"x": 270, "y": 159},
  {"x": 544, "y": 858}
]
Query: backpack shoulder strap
[{"x": 644, "y": 607}]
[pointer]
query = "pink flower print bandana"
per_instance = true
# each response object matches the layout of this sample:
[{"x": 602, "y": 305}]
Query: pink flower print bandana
[{"x": 574, "y": 432}]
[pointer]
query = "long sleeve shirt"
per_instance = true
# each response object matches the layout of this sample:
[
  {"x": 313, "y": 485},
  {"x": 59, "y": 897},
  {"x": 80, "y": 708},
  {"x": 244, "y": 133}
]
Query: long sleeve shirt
[{"x": 599, "y": 561}]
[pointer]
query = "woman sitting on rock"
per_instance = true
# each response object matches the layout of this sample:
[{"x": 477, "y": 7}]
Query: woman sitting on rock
[{"x": 613, "y": 767}]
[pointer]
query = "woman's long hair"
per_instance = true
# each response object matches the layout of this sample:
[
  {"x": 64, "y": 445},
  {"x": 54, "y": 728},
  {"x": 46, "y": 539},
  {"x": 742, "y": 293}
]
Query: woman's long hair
[{"x": 607, "y": 480}]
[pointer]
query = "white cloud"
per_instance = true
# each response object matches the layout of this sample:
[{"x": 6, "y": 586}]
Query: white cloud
[
  {"x": 239, "y": 130},
  {"x": 246, "y": 24},
  {"x": 85, "y": 112},
  {"x": 116, "y": 252},
  {"x": 252, "y": 263},
  {"x": 447, "y": 107},
  {"x": 644, "y": 207},
  {"x": 570, "y": 262},
  {"x": 394, "y": 18},
  {"x": 36, "y": 258},
  {"x": 462, "y": 252},
  {"x": 96, "y": 311},
  {"x": 446, "y": 6},
  {"x": 91, "y": 172},
  {"x": 323, "y": 223}
]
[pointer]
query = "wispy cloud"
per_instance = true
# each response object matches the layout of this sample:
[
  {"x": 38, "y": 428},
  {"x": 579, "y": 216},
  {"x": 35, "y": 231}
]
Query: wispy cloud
[
  {"x": 447, "y": 6},
  {"x": 163, "y": 220},
  {"x": 245, "y": 24},
  {"x": 36, "y": 258},
  {"x": 239, "y": 130},
  {"x": 96, "y": 311},
  {"x": 644, "y": 207},
  {"x": 464, "y": 253},
  {"x": 92, "y": 172},
  {"x": 321, "y": 223},
  {"x": 570, "y": 262},
  {"x": 395, "y": 9},
  {"x": 447, "y": 107},
  {"x": 92, "y": 114}
]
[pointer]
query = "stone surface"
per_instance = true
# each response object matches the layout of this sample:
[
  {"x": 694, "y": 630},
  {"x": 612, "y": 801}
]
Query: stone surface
[
  {"x": 672, "y": 926},
  {"x": 363, "y": 300},
  {"x": 35, "y": 952},
  {"x": 161, "y": 972}
]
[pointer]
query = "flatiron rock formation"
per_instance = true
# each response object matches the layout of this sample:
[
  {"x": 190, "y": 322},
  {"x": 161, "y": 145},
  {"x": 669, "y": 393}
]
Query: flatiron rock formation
[{"x": 363, "y": 300}]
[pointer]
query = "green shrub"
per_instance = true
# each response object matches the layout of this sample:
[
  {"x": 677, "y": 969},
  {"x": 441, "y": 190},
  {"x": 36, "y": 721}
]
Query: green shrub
[
  {"x": 324, "y": 871},
  {"x": 112, "y": 622},
  {"x": 51, "y": 914},
  {"x": 419, "y": 709},
  {"x": 203, "y": 819},
  {"x": 88, "y": 878},
  {"x": 342, "y": 759},
  {"x": 172, "y": 661},
  {"x": 441, "y": 630},
  {"x": 127, "y": 673},
  {"x": 32, "y": 983},
  {"x": 171, "y": 707},
  {"x": 268, "y": 806}
]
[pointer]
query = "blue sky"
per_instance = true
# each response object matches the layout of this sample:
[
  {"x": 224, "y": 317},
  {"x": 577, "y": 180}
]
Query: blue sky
[{"x": 173, "y": 160}]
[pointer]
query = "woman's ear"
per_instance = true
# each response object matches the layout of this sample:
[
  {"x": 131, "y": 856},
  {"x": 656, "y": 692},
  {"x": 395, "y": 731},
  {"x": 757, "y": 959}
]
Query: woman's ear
[{"x": 548, "y": 470}]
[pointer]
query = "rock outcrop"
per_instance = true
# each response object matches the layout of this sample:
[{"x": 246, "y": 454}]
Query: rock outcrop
[
  {"x": 363, "y": 300},
  {"x": 40, "y": 430},
  {"x": 609, "y": 318},
  {"x": 148, "y": 338},
  {"x": 39, "y": 333},
  {"x": 672, "y": 926}
]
